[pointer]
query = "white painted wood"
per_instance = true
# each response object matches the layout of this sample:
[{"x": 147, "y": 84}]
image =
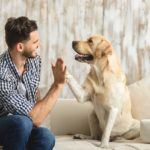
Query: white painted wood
[{"x": 126, "y": 23}]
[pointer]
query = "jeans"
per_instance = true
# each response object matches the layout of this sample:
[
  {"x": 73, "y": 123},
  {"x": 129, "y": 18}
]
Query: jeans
[{"x": 18, "y": 133}]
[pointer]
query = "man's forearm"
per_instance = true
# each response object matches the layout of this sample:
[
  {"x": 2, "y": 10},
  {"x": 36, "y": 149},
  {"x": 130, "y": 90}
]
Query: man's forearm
[{"x": 45, "y": 105}]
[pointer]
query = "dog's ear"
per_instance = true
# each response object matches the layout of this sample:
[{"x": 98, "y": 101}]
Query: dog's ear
[
  {"x": 103, "y": 49},
  {"x": 107, "y": 51}
]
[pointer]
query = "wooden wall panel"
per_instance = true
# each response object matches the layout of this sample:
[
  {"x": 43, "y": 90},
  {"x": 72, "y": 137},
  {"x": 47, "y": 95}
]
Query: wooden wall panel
[{"x": 126, "y": 23}]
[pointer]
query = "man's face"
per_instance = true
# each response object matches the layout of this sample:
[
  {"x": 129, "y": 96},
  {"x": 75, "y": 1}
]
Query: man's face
[{"x": 30, "y": 47}]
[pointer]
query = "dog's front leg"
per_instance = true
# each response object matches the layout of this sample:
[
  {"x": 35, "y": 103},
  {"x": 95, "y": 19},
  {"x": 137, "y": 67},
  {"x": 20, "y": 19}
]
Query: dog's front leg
[
  {"x": 77, "y": 89},
  {"x": 110, "y": 123}
]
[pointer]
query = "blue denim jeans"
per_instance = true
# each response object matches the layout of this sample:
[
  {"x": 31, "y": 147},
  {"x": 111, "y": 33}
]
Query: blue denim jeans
[{"x": 18, "y": 133}]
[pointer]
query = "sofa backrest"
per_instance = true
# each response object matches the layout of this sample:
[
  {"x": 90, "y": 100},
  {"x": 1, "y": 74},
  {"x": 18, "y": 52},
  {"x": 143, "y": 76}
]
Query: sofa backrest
[{"x": 70, "y": 117}]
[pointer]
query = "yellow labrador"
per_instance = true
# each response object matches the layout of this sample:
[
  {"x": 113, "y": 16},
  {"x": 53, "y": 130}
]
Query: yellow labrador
[{"x": 105, "y": 86}]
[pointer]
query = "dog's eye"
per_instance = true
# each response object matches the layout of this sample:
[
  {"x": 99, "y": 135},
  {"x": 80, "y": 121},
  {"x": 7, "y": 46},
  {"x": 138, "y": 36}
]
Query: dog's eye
[{"x": 90, "y": 41}]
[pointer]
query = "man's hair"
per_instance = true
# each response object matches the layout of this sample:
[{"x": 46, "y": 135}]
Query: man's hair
[{"x": 18, "y": 30}]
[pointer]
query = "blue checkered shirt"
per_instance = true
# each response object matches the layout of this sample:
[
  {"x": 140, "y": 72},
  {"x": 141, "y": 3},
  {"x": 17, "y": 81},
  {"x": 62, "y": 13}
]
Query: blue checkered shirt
[{"x": 12, "y": 99}]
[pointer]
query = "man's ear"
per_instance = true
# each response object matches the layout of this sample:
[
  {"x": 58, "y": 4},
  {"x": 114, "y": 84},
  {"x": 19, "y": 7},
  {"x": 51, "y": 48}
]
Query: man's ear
[{"x": 19, "y": 47}]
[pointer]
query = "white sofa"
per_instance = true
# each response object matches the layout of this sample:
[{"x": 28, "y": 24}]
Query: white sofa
[{"x": 70, "y": 117}]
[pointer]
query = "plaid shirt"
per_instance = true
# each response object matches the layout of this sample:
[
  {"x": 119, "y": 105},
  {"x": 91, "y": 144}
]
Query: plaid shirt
[{"x": 11, "y": 99}]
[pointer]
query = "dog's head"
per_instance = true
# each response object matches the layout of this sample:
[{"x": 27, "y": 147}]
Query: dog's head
[{"x": 95, "y": 47}]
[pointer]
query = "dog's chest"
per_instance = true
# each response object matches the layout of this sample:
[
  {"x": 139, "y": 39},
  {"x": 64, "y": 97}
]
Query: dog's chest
[
  {"x": 97, "y": 82},
  {"x": 100, "y": 102},
  {"x": 101, "y": 109}
]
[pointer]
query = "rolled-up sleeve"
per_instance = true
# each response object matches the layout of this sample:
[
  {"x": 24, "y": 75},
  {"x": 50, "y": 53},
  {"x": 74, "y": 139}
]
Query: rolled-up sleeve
[{"x": 12, "y": 101}]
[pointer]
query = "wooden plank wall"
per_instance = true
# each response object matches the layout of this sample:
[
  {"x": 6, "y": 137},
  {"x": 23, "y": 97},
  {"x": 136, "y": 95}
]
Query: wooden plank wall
[{"x": 126, "y": 23}]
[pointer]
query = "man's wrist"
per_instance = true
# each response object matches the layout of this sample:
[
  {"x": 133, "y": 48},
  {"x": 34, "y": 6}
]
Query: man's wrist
[{"x": 58, "y": 85}]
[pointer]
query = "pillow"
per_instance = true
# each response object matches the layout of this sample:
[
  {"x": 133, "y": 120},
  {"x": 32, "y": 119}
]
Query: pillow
[
  {"x": 145, "y": 130},
  {"x": 140, "y": 98}
]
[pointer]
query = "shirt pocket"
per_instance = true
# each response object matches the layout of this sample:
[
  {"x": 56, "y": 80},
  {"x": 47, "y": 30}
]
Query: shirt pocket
[
  {"x": 34, "y": 79},
  {"x": 7, "y": 76}
]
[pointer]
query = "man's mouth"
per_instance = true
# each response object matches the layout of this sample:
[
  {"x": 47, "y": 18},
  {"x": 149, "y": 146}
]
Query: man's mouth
[{"x": 83, "y": 57}]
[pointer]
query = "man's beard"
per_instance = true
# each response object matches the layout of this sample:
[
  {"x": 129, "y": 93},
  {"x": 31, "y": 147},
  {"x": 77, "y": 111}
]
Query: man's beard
[{"x": 28, "y": 54}]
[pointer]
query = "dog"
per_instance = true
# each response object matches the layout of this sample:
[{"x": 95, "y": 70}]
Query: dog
[{"x": 105, "y": 86}]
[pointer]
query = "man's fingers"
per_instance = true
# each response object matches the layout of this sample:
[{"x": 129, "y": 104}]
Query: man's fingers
[
  {"x": 53, "y": 66},
  {"x": 59, "y": 61},
  {"x": 60, "y": 64},
  {"x": 65, "y": 69}
]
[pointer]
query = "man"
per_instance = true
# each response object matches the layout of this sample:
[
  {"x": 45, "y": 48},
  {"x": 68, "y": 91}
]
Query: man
[{"x": 20, "y": 113}]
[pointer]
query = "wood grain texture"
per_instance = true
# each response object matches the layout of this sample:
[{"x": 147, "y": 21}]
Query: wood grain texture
[{"x": 126, "y": 23}]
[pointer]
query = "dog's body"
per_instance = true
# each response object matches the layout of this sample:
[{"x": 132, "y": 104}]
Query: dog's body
[{"x": 105, "y": 86}]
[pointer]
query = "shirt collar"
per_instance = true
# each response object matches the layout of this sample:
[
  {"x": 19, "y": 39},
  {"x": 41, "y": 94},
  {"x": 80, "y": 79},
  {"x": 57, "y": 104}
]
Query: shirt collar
[
  {"x": 28, "y": 64},
  {"x": 13, "y": 66}
]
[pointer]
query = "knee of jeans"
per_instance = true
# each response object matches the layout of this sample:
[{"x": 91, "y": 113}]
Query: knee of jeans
[
  {"x": 23, "y": 124},
  {"x": 52, "y": 140},
  {"x": 49, "y": 137}
]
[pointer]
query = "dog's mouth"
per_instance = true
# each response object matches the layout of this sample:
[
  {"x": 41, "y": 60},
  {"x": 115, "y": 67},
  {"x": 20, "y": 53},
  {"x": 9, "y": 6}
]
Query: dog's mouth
[
  {"x": 83, "y": 57},
  {"x": 80, "y": 56}
]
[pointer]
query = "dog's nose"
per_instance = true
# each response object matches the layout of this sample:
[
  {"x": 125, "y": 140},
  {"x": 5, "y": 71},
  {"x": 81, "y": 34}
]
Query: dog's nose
[{"x": 74, "y": 43}]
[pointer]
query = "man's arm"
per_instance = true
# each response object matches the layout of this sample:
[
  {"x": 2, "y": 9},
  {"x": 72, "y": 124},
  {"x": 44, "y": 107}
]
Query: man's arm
[{"x": 41, "y": 109}]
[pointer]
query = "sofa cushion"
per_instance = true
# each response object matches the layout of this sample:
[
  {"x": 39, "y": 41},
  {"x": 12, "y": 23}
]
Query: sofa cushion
[
  {"x": 70, "y": 117},
  {"x": 68, "y": 143}
]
